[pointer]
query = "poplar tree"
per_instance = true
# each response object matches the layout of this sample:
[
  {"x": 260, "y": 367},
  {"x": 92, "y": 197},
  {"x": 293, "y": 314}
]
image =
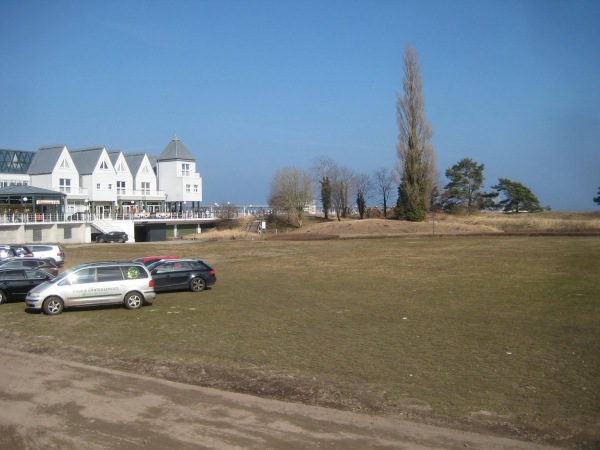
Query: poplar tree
[{"x": 416, "y": 156}]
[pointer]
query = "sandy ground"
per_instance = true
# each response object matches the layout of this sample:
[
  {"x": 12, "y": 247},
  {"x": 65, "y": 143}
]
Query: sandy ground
[{"x": 51, "y": 403}]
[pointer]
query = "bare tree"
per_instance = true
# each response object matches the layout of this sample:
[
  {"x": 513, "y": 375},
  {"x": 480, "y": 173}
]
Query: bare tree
[
  {"x": 323, "y": 169},
  {"x": 341, "y": 183},
  {"x": 416, "y": 156},
  {"x": 363, "y": 186},
  {"x": 291, "y": 191},
  {"x": 383, "y": 183}
]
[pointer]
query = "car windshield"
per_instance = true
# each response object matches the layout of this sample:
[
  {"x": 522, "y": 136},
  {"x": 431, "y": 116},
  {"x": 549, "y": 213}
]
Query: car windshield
[{"x": 64, "y": 275}]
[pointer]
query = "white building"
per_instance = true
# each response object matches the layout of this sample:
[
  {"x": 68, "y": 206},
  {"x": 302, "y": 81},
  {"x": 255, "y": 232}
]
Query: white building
[{"x": 109, "y": 183}]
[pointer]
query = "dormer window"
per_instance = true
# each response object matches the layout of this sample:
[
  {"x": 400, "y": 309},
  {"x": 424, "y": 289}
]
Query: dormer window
[
  {"x": 121, "y": 167},
  {"x": 103, "y": 165},
  {"x": 64, "y": 164},
  {"x": 145, "y": 169}
]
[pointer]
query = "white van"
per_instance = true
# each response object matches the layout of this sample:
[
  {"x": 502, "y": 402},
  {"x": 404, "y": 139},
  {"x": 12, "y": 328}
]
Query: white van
[{"x": 97, "y": 283}]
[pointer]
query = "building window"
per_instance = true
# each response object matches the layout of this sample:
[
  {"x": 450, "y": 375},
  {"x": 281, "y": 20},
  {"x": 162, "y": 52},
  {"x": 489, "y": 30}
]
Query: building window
[
  {"x": 65, "y": 185},
  {"x": 195, "y": 188},
  {"x": 145, "y": 188},
  {"x": 64, "y": 164},
  {"x": 121, "y": 186},
  {"x": 121, "y": 167},
  {"x": 185, "y": 169},
  {"x": 103, "y": 165},
  {"x": 98, "y": 186},
  {"x": 187, "y": 188},
  {"x": 109, "y": 187}
]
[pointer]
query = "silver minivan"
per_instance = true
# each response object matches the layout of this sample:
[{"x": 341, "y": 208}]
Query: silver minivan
[{"x": 98, "y": 283}]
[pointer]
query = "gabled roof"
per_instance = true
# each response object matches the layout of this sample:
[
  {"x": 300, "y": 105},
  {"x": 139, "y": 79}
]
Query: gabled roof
[
  {"x": 86, "y": 159},
  {"x": 113, "y": 155},
  {"x": 152, "y": 160},
  {"x": 176, "y": 151},
  {"x": 45, "y": 160},
  {"x": 134, "y": 161}
]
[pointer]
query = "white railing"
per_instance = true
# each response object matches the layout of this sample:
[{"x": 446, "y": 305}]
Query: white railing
[
  {"x": 88, "y": 217},
  {"x": 206, "y": 212}
]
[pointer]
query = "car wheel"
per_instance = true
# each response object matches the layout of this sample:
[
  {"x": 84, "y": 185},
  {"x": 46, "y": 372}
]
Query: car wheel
[
  {"x": 133, "y": 300},
  {"x": 197, "y": 284},
  {"x": 2, "y": 297},
  {"x": 121, "y": 241},
  {"x": 100, "y": 240},
  {"x": 53, "y": 306}
]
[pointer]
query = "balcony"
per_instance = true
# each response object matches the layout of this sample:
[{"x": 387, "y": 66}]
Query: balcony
[
  {"x": 72, "y": 191},
  {"x": 140, "y": 194}
]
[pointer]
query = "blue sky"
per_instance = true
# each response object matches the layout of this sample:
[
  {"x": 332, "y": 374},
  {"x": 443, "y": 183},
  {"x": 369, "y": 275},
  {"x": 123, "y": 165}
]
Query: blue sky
[{"x": 253, "y": 86}]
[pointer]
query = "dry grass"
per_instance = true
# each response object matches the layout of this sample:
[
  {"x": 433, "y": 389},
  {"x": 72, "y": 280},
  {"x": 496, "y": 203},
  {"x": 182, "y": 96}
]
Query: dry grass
[
  {"x": 542, "y": 221},
  {"x": 495, "y": 331},
  {"x": 438, "y": 224}
]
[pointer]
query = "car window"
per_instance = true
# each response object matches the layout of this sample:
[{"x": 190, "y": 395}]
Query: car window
[
  {"x": 14, "y": 275},
  {"x": 34, "y": 274},
  {"x": 197, "y": 265},
  {"x": 110, "y": 273},
  {"x": 163, "y": 268},
  {"x": 29, "y": 263},
  {"x": 82, "y": 276},
  {"x": 133, "y": 272}
]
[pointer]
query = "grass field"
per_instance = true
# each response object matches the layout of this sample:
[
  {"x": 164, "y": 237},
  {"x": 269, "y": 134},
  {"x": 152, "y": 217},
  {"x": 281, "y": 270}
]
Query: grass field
[{"x": 497, "y": 332}]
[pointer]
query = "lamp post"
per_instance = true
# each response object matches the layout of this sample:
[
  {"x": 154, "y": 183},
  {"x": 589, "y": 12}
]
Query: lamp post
[{"x": 24, "y": 200}]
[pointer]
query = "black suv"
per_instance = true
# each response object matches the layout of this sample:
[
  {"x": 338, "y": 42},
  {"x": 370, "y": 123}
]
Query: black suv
[{"x": 112, "y": 236}]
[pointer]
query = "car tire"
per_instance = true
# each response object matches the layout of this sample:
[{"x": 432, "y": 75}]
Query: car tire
[
  {"x": 2, "y": 297},
  {"x": 197, "y": 284},
  {"x": 53, "y": 306},
  {"x": 100, "y": 240},
  {"x": 121, "y": 241},
  {"x": 133, "y": 300}
]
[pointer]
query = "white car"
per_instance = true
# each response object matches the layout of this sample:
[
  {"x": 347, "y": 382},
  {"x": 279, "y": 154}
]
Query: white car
[{"x": 48, "y": 251}]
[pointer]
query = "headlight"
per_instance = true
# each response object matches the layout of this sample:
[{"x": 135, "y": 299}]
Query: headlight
[{"x": 33, "y": 294}]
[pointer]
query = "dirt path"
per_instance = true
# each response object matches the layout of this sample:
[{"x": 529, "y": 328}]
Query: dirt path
[{"x": 51, "y": 403}]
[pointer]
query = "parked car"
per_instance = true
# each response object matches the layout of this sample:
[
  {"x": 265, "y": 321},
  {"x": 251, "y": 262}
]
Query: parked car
[
  {"x": 16, "y": 283},
  {"x": 182, "y": 274},
  {"x": 45, "y": 264},
  {"x": 90, "y": 284},
  {"x": 113, "y": 236},
  {"x": 53, "y": 252},
  {"x": 9, "y": 251},
  {"x": 147, "y": 260}
]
